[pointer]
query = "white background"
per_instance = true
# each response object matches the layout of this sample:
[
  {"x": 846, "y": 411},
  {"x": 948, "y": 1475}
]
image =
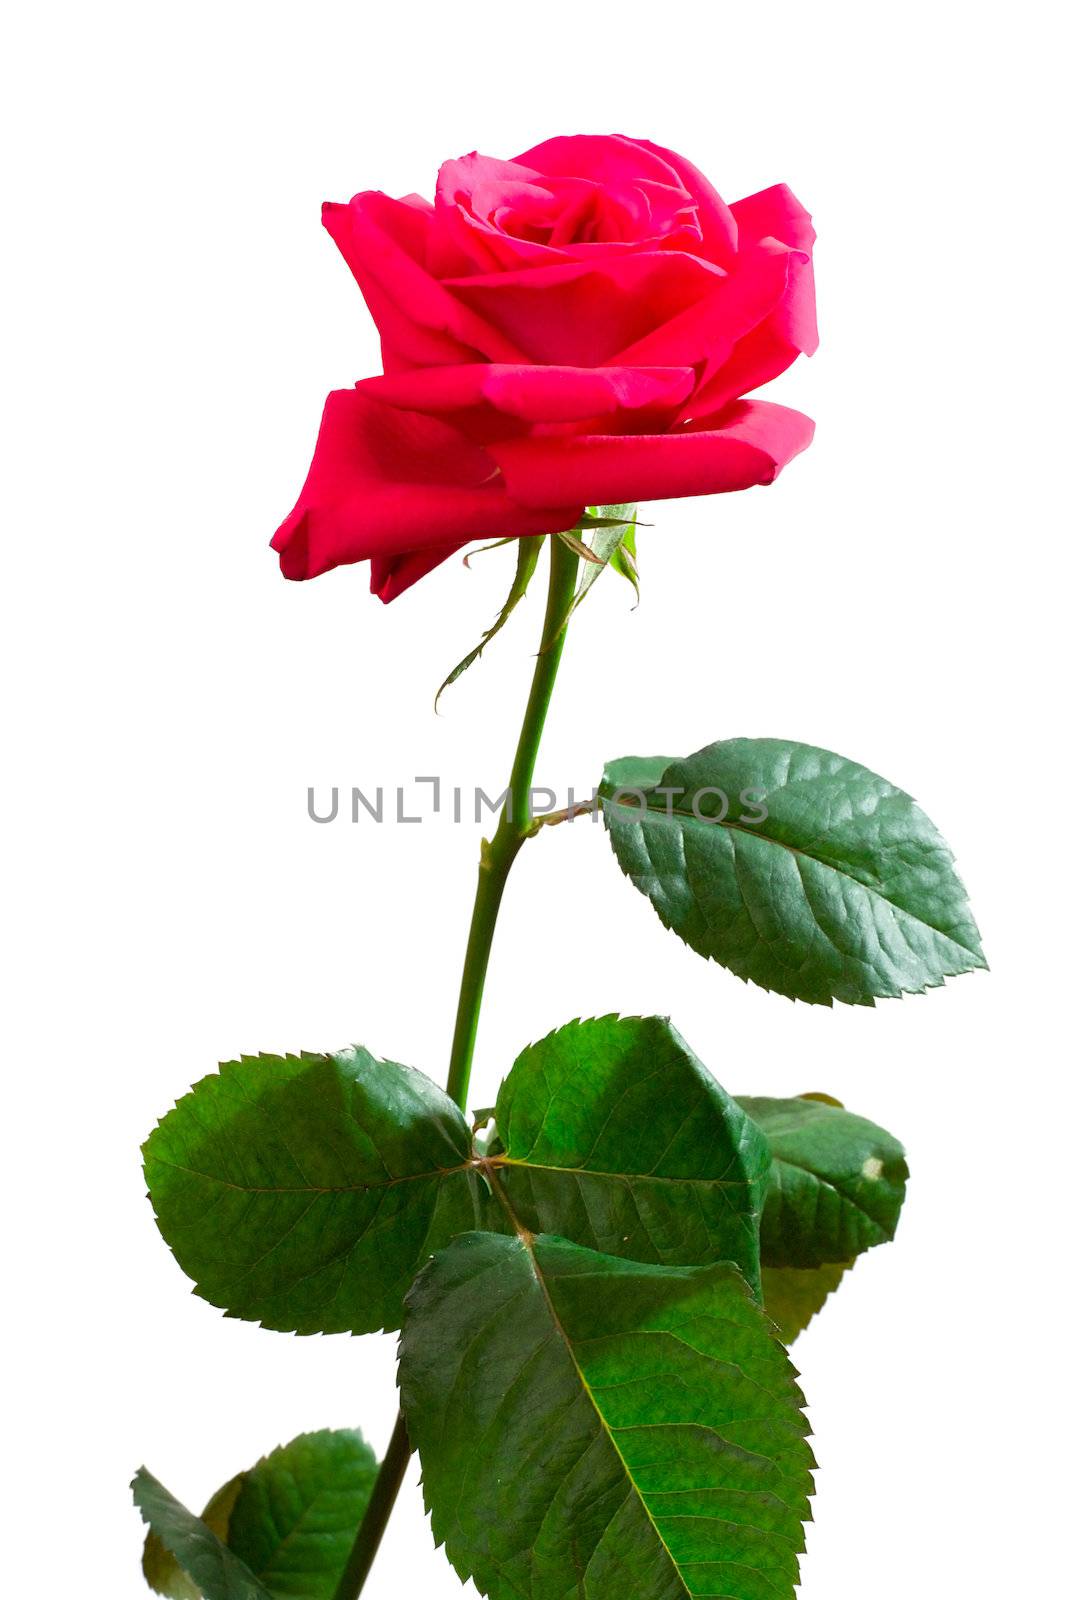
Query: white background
[{"x": 176, "y": 316}]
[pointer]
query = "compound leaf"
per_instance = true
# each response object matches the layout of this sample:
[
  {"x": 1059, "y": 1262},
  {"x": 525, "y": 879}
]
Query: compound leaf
[
  {"x": 799, "y": 870},
  {"x": 612, "y": 1134},
  {"x": 602, "y": 1428},
  {"x": 304, "y": 1192}
]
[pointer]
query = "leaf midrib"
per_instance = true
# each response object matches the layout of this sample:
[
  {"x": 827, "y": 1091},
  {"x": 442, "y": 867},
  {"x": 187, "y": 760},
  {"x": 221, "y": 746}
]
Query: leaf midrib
[
  {"x": 682, "y": 817},
  {"x": 309, "y": 1188},
  {"x": 525, "y": 1238},
  {"x": 475, "y": 1163},
  {"x": 621, "y": 1177}
]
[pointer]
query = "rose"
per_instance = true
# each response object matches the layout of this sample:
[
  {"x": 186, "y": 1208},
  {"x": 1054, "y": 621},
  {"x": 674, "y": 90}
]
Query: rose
[{"x": 573, "y": 327}]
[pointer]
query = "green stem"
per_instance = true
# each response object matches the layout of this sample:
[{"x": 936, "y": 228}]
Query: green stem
[
  {"x": 515, "y": 823},
  {"x": 379, "y": 1508},
  {"x": 498, "y": 854}
]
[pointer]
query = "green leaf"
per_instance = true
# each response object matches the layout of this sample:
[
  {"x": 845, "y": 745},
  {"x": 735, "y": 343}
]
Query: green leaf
[
  {"x": 292, "y": 1519},
  {"x": 161, "y": 1569},
  {"x": 529, "y": 548},
  {"x": 299, "y": 1510},
  {"x": 631, "y": 774},
  {"x": 612, "y": 1134},
  {"x": 792, "y": 1295},
  {"x": 305, "y": 1192},
  {"x": 800, "y": 871},
  {"x": 836, "y": 1186},
  {"x": 214, "y": 1569},
  {"x": 597, "y": 1428}
]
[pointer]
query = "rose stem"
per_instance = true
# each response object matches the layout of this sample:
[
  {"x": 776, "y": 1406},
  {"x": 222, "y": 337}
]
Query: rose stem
[{"x": 498, "y": 854}]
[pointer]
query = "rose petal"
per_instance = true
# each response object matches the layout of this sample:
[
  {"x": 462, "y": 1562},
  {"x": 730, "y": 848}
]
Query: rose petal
[
  {"x": 610, "y": 159},
  {"x": 748, "y": 443},
  {"x": 718, "y": 225},
  {"x": 735, "y": 304},
  {"x": 385, "y": 244},
  {"x": 583, "y": 313},
  {"x": 386, "y": 483},
  {"x": 790, "y": 330},
  {"x": 391, "y": 575},
  {"x": 631, "y": 178},
  {"x": 471, "y": 192},
  {"x": 776, "y": 213},
  {"x": 534, "y": 393}
]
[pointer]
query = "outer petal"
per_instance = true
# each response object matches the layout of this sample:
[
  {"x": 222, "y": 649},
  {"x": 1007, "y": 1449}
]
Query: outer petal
[
  {"x": 533, "y": 393},
  {"x": 386, "y": 483},
  {"x": 391, "y": 575},
  {"x": 386, "y": 243},
  {"x": 772, "y": 215},
  {"x": 735, "y": 304},
  {"x": 748, "y": 443},
  {"x": 775, "y": 212}
]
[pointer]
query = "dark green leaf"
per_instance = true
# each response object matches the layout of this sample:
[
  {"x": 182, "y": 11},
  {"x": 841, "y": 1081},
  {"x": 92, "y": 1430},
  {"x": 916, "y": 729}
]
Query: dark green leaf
[
  {"x": 161, "y": 1569},
  {"x": 292, "y": 1519},
  {"x": 792, "y": 1295},
  {"x": 213, "y": 1568},
  {"x": 304, "y": 1192},
  {"x": 596, "y": 1428},
  {"x": 798, "y": 870},
  {"x": 836, "y": 1186},
  {"x": 529, "y": 548},
  {"x": 630, "y": 777},
  {"x": 299, "y": 1510},
  {"x": 612, "y": 1134}
]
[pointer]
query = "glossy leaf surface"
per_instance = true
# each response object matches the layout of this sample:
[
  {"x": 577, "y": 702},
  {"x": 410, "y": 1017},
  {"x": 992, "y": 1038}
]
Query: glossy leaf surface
[
  {"x": 612, "y": 1134},
  {"x": 299, "y": 1510},
  {"x": 799, "y": 870},
  {"x": 836, "y": 1184},
  {"x": 304, "y": 1192},
  {"x": 602, "y": 1428}
]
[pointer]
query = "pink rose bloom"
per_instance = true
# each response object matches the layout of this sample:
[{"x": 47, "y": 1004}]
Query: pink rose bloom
[{"x": 574, "y": 327}]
